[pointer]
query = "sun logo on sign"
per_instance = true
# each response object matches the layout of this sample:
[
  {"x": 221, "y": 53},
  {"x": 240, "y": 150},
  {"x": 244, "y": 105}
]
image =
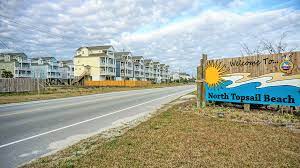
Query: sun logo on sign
[{"x": 213, "y": 73}]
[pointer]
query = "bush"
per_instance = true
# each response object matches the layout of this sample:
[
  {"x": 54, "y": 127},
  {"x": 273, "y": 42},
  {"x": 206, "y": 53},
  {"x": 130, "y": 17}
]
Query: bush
[{"x": 7, "y": 74}]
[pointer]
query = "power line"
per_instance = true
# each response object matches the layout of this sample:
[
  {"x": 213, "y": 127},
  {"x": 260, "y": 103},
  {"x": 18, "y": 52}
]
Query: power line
[
  {"x": 15, "y": 48},
  {"x": 32, "y": 26},
  {"x": 43, "y": 30},
  {"x": 3, "y": 44}
]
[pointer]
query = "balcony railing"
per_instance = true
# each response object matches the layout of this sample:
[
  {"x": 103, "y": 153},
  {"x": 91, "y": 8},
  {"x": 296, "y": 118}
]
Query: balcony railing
[
  {"x": 24, "y": 68},
  {"x": 23, "y": 75},
  {"x": 103, "y": 64},
  {"x": 107, "y": 73}
]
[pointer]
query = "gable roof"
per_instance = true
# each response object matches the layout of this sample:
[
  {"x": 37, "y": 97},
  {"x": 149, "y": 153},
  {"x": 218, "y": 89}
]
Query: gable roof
[
  {"x": 122, "y": 53},
  {"x": 44, "y": 58},
  {"x": 66, "y": 61},
  {"x": 137, "y": 57},
  {"x": 148, "y": 60},
  {"x": 119, "y": 55},
  {"x": 23, "y": 55},
  {"x": 103, "y": 47}
]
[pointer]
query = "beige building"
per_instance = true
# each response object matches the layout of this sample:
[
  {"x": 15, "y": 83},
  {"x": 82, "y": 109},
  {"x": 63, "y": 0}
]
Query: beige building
[{"x": 96, "y": 62}]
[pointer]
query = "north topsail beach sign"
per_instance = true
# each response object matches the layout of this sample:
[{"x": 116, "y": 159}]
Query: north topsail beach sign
[{"x": 265, "y": 79}]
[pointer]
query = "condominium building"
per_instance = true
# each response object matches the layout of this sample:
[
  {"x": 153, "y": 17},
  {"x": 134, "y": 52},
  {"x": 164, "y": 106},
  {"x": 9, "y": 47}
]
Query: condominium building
[
  {"x": 156, "y": 72},
  {"x": 138, "y": 68},
  {"x": 179, "y": 76},
  {"x": 149, "y": 72},
  {"x": 97, "y": 62},
  {"x": 164, "y": 73},
  {"x": 67, "y": 70},
  {"x": 46, "y": 68},
  {"x": 17, "y": 63},
  {"x": 167, "y": 71},
  {"x": 124, "y": 66}
]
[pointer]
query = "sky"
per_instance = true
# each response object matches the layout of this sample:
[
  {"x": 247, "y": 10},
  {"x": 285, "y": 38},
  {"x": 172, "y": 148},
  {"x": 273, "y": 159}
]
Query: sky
[{"x": 174, "y": 32}]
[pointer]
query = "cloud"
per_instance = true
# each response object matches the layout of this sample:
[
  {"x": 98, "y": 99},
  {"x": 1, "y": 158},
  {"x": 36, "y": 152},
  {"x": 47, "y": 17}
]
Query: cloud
[{"x": 174, "y": 32}]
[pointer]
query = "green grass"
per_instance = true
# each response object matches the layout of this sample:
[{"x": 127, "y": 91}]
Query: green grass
[{"x": 183, "y": 137}]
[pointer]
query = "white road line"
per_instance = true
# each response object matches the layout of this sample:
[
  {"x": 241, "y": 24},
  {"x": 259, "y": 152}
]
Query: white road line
[{"x": 88, "y": 120}]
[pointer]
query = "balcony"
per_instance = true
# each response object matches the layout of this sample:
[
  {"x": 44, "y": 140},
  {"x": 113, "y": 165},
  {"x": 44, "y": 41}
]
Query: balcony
[
  {"x": 54, "y": 70},
  {"x": 103, "y": 64},
  {"x": 23, "y": 68},
  {"x": 25, "y": 75},
  {"x": 54, "y": 76},
  {"x": 107, "y": 73}
]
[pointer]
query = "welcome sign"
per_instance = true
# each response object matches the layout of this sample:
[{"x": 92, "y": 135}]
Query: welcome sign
[{"x": 265, "y": 79}]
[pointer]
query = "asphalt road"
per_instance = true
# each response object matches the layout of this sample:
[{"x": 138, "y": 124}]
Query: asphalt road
[{"x": 33, "y": 129}]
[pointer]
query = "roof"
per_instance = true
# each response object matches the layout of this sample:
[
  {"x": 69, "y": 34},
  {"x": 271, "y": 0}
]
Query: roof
[
  {"x": 137, "y": 57},
  {"x": 66, "y": 61},
  {"x": 156, "y": 62},
  {"x": 103, "y": 47},
  {"x": 148, "y": 60},
  {"x": 183, "y": 73},
  {"x": 118, "y": 55},
  {"x": 43, "y": 58},
  {"x": 15, "y": 54},
  {"x": 97, "y": 55},
  {"x": 122, "y": 53},
  {"x": 12, "y": 61},
  {"x": 92, "y": 55}
]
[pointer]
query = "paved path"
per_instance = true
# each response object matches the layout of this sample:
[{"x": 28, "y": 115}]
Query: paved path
[{"x": 30, "y": 130}]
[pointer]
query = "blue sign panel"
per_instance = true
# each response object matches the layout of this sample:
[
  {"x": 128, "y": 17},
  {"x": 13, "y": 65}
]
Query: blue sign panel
[
  {"x": 259, "y": 90},
  {"x": 225, "y": 83}
]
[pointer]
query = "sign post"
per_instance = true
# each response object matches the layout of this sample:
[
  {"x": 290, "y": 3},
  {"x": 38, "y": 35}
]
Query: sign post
[{"x": 201, "y": 102}]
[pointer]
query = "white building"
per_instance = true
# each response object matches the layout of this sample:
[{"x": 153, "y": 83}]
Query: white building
[
  {"x": 178, "y": 76},
  {"x": 124, "y": 66},
  {"x": 164, "y": 73},
  {"x": 67, "y": 70},
  {"x": 149, "y": 72},
  {"x": 46, "y": 68},
  {"x": 157, "y": 72},
  {"x": 138, "y": 68}
]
